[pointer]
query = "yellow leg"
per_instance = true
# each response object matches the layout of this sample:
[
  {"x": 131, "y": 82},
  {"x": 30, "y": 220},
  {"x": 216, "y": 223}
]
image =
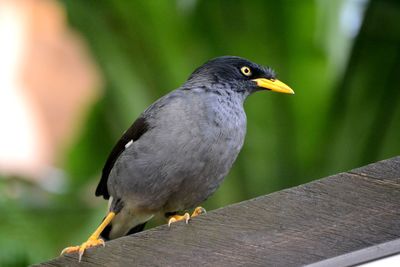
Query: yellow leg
[
  {"x": 186, "y": 217},
  {"x": 93, "y": 240}
]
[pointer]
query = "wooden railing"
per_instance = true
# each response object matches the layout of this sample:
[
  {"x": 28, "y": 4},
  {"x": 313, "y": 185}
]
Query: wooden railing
[{"x": 328, "y": 222}]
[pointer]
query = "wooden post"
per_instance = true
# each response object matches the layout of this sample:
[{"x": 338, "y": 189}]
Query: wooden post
[{"x": 324, "y": 221}]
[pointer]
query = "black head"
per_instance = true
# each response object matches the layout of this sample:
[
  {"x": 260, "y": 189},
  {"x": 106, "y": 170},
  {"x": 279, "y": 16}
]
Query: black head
[{"x": 238, "y": 74}]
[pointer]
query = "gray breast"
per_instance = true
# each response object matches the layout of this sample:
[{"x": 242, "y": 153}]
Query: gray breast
[{"x": 191, "y": 145}]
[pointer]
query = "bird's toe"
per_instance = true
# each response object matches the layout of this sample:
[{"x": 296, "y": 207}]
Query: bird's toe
[
  {"x": 91, "y": 242},
  {"x": 197, "y": 211},
  {"x": 186, "y": 217},
  {"x": 177, "y": 218},
  {"x": 69, "y": 250}
]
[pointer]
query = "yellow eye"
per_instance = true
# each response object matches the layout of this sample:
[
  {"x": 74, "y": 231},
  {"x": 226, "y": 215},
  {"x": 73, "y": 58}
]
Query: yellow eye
[{"x": 246, "y": 71}]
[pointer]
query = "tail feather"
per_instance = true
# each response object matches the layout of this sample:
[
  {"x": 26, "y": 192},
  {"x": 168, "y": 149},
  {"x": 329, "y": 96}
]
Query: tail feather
[
  {"x": 125, "y": 223},
  {"x": 105, "y": 235},
  {"x": 137, "y": 229}
]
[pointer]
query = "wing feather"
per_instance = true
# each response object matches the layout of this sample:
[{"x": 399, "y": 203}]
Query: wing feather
[{"x": 138, "y": 128}]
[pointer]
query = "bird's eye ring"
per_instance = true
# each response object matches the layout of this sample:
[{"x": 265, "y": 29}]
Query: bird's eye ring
[{"x": 246, "y": 71}]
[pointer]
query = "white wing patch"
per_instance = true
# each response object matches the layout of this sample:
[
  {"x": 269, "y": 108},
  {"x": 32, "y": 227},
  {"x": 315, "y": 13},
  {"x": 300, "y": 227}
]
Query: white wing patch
[{"x": 129, "y": 144}]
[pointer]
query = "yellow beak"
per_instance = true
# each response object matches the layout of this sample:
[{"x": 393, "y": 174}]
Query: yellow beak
[{"x": 273, "y": 85}]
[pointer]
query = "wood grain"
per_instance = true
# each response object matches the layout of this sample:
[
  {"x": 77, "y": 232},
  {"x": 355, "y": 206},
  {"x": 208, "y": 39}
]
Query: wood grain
[{"x": 313, "y": 222}]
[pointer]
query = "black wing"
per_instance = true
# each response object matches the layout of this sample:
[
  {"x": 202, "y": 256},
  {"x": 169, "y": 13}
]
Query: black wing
[{"x": 138, "y": 128}]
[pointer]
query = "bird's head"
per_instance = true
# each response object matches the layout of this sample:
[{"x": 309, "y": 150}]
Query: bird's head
[{"x": 238, "y": 74}]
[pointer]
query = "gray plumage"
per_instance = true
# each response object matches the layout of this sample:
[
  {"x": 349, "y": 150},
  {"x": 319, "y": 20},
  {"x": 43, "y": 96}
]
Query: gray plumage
[{"x": 181, "y": 147}]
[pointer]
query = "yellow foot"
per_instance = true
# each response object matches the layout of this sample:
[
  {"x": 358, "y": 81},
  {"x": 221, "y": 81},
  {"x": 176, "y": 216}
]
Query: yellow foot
[
  {"x": 92, "y": 242},
  {"x": 186, "y": 217},
  {"x": 197, "y": 211},
  {"x": 177, "y": 218}
]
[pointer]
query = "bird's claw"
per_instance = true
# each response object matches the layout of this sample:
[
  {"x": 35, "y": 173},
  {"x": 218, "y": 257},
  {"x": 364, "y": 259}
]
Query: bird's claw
[
  {"x": 186, "y": 217},
  {"x": 199, "y": 210},
  {"x": 69, "y": 250},
  {"x": 177, "y": 218},
  {"x": 91, "y": 242}
]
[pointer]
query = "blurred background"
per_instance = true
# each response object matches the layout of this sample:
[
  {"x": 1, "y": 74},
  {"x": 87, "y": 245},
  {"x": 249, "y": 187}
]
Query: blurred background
[{"x": 75, "y": 74}]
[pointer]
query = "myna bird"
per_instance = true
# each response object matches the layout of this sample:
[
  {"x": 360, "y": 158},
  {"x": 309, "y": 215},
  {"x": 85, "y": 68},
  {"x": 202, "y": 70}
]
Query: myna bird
[{"x": 176, "y": 154}]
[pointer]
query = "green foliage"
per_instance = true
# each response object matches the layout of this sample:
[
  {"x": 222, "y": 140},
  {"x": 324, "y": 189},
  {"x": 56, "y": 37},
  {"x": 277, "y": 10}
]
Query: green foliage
[{"x": 345, "y": 113}]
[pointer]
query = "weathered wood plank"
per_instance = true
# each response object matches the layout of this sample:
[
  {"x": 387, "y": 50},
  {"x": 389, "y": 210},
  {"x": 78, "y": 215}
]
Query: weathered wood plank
[
  {"x": 298, "y": 226},
  {"x": 361, "y": 256}
]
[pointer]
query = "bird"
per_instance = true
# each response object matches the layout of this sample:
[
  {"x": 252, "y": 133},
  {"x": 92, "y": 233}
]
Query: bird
[{"x": 178, "y": 151}]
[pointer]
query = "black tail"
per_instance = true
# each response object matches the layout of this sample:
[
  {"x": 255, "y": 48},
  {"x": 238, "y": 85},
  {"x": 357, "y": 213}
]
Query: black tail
[
  {"x": 105, "y": 235},
  {"x": 138, "y": 228}
]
